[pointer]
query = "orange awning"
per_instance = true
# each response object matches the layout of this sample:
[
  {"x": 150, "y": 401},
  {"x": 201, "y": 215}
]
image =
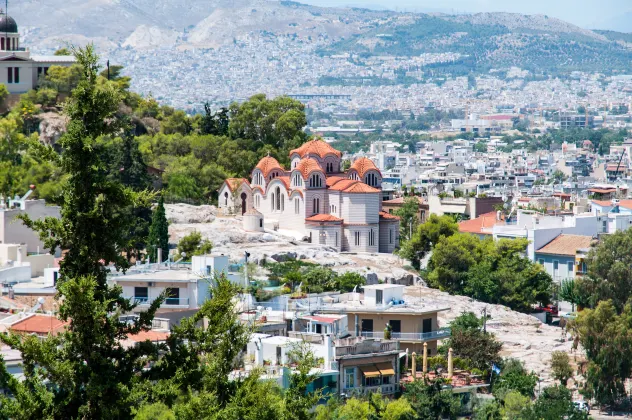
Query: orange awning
[
  {"x": 370, "y": 371},
  {"x": 386, "y": 369}
]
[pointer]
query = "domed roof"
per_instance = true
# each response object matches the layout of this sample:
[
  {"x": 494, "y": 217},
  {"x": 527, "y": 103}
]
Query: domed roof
[
  {"x": 307, "y": 165},
  {"x": 267, "y": 164},
  {"x": 316, "y": 147},
  {"x": 8, "y": 24},
  {"x": 364, "y": 165}
]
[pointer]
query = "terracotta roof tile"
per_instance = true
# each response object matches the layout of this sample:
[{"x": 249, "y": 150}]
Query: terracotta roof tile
[
  {"x": 317, "y": 147},
  {"x": 388, "y": 216},
  {"x": 323, "y": 218},
  {"x": 267, "y": 164},
  {"x": 566, "y": 245},
  {"x": 480, "y": 224},
  {"x": 334, "y": 179},
  {"x": 306, "y": 166},
  {"x": 625, "y": 204},
  {"x": 234, "y": 183},
  {"x": 363, "y": 165},
  {"x": 360, "y": 188},
  {"x": 39, "y": 324},
  {"x": 602, "y": 203},
  {"x": 149, "y": 335},
  {"x": 342, "y": 184},
  {"x": 602, "y": 190}
]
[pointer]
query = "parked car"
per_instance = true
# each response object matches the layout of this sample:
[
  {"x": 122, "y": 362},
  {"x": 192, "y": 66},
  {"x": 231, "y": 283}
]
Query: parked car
[
  {"x": 552, "y": 309},
  {"x": 582, "y": 405}
]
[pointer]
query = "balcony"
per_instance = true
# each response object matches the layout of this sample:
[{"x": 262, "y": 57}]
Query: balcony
[
  {"x": 382, "y": 389},
  {"x": 410, "y": 337},
  {"x": 147, "y": 300},
  {"x": 367, "y": 347}
]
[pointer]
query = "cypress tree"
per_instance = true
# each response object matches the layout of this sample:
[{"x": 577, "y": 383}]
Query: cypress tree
[
  {"x": 92, "y": 373},
  {"x": 158, "y": 232}
]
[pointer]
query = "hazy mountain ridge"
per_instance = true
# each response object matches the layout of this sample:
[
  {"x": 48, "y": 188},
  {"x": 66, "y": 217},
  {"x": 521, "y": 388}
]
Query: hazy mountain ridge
[{"x": 485, "y": 40}]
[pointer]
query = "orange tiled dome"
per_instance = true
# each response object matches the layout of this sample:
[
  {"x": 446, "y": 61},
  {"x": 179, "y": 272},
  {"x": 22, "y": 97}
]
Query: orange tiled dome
[
  {"x": 267, "y": 164},
  {"x": 306, "y": 166},
  {"x": 316, "y": 147},
  {"x": 363, "y": 165}
]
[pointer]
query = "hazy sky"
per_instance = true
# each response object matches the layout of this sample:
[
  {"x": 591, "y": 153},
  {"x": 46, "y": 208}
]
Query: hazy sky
[{"x": 595, "y": 14}]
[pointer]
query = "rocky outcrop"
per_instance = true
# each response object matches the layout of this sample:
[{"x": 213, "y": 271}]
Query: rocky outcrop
[{"x": 51, "y": 127}]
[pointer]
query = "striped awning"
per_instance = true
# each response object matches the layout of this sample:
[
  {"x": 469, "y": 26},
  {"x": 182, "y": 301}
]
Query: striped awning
[
  {"x": 386, "y": 369},
  {"x": 370, "y": 371}
]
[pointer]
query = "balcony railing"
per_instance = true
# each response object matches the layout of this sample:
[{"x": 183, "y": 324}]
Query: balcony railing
[
  {"x": 429, "y": 336},
  {"x": 367, "y": 348},
  {"x": 145, "y": 300}
]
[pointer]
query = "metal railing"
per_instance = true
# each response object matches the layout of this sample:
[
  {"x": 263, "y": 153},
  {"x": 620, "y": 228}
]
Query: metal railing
[
  {"x": 367, "y": 348},
  {"x": 429, "y": 336},
  {"x": 146, "y": 300}
]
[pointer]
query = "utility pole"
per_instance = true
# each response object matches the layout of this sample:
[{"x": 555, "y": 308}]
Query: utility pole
[{"x": 485, "y": 319}]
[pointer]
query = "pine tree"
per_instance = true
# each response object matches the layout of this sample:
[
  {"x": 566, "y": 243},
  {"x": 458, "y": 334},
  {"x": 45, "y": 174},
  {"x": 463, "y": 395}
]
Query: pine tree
[
  {"x": 92, "y": 373},
  {"x": 158, "y": 232}
]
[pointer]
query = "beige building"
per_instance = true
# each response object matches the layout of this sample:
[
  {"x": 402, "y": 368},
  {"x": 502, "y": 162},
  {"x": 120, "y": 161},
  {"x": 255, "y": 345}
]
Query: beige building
[
  {"x": 13, "y": 231},
  {"x": 19, "y": 69}
]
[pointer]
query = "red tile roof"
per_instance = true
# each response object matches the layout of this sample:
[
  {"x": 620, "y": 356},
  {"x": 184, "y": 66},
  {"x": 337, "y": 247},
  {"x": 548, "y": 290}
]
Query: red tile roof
[
  {"x": 478, "y": 225},
  {"x": 306, "y": 166},
  {"x": 342, "y": 184},
  {"x": 388, "y": 216},
  {"x": 322, "y": 319},
  {"x": 359, "y": 188},
  {"x": 234, "y": 183},
  {"x": 602, "y": 190},
  {"x": 323, "y": 218},
  {"x": 566, "y": 245},
  {"x": 150, "y": 335},
  {"x": 363, "y": 165},
  {"x": 39, "y": 324},
  {"x": 334, "y": 179},
  {"x": 317, "y": 147},
  {"x": 602, "y": 203},
  {"x": 267, "y": 164}
]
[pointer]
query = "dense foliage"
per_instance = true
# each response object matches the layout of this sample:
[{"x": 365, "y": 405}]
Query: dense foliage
[
  {"x": 426, "y": 236},
  {"x": 489, "y": 271}
]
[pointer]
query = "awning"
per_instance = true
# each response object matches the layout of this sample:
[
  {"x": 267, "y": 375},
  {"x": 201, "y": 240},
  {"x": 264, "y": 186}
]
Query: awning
[
  {"x": 370, "y": 371},
  {"x": 386, "y": 369}
]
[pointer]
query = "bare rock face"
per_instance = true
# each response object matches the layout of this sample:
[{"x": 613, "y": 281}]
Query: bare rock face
[
  {"x": 52, "y": 126},
  {"x": 185, "y": 213}
]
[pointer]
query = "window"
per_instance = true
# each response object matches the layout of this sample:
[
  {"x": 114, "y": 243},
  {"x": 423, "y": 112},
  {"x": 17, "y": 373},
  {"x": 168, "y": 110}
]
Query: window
[
  {"x": 379, "y": 297},
  {"x": 278, "y": 199},
  {"x": 605, "y": 226},
  {"x": 260, "y": 223},
  {"x": 297, "y": 206},
  {"x": 371, "y": 238},
  {"x": 16, "y": 75},
  {"x": 396, "y": 325},
  {"x": 336, "y": 239},
  {"x": 541, "y": 261},
  {"x": 9, "y": 74},
  {"x": 226, "y": 198},
  {"x": 282, "y": 202},
  {"x": 350, "y": 378},
  {"x": 427, "y": 325},
  {"x": 570, "y": 267},
  {"x": 2, "y": 44},
  {"x": 357, "y": 238},
  {"x": 141, "y": 294},
  {"x": 173, "y": 296},
  {"x": 316, "y": 208},
  {"x": 367, "y": 325},
  {"x": 390, "y": 236}
]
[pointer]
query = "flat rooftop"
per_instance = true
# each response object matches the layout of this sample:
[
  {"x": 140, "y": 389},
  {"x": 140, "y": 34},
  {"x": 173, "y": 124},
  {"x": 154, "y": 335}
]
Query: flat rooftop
[{"x": 185, "y": 276}]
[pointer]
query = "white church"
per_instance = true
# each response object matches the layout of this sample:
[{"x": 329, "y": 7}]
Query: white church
[{"x": 315, "y": 199}]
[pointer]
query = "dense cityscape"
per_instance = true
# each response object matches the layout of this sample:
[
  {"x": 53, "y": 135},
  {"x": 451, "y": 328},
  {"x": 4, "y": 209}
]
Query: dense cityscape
[{"x": 350, "y": 214}]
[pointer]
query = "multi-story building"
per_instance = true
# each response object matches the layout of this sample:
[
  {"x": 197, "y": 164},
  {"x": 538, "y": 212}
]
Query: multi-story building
[{"x": 317, "y": 200}]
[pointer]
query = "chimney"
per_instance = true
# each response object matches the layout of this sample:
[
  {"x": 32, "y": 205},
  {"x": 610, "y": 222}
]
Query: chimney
[{"x": 159, "y": 255}]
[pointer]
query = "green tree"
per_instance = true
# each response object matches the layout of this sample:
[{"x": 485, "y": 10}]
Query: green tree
[
  {"x": 607, "y": 339},
  {"x": 86, "y": 363},
  {"x": 157, "y": 411},
  {"x": 489, "y": 410},
  {"x": 426, "y": 236},
  {"x": 63, "y": 79},
  {"x": 515, "y": 405},
  {"x": 610, "y": 270},
  {"x": 348, "y": 281},
  {"x": 158, "y": 233},
  {"x": 555, "y": 402},
  {"x": 63, "y": 51},
  {"x": 298, "y": 402},
  {"x": 431, "y": 401},
  {"x": 319, "y": 279},
  {"x": 215, "y": 123},
  {"x": 4, "y": 93},
  {"x": 192, "y": 244},
  {"x": 561, "y": 366},
  {"x": 398, "y": 409},
  {"x": 514, "y": 377},
  {"x": 469, "y": 342},
  {"x": 408, "y": 217}
]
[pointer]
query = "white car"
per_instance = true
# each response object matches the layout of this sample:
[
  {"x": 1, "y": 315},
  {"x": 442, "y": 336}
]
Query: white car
[{"x": 582, "y": 405}]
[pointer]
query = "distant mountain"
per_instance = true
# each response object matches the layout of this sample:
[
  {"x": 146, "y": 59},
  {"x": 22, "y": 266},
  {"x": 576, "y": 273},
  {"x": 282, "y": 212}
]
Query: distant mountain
[{"x": 483, "y": 41}]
